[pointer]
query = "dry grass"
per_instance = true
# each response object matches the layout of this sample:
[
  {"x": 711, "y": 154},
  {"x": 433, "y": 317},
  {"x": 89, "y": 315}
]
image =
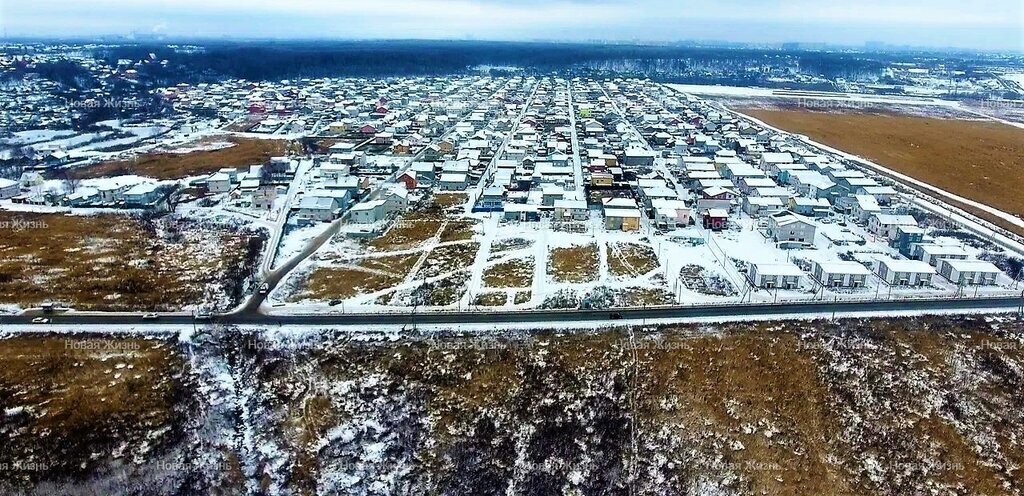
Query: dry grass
[
  {"x": 407, "y": 232},
  {"x": 448, "y": 258},
  {"x": 577, "y": 264},
  {"x": 450, "y": 200},
  {"x": 983, "y": 161},
  {"x": 114, "y": 262},
  {"x": 458, "y": 230},
  {"x": 639, "y": 297},
  {"x": 491, "y": 299},
  {"x": 86, "y": 395},
  {"x": 165, "y": 165},
  {"x": 631, "y": 260},
  {"x": 516, "y": 273},
  {"x": 523, "y": 297},
  {"x": 369, "y": 276}
]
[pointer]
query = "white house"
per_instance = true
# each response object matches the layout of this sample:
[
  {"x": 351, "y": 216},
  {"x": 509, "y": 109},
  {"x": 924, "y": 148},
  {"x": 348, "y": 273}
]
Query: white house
[
  {"x": 968, "y": 272},
  {"x": 317, "y": 209},
  {"x": 571, "y": 210},
  {"x": 756, "y": 206},
  {"x": 8, "y": 188},
  {"x": 788, "y": 227},
  {"x": 886, "y": 225},
  {"x": 670, "y": 214},
  {"x": 932, "y": 253},
  {"x": 453, "y": 182},
  {"x": 331, "y": 171},
  {"x": 841, "y": 274},
  {"x": 776, "y": 275},
  {"x": 905, "y": 272},
  {"x": 219, "y": 183},
  {"x": 368, "y": 212}
]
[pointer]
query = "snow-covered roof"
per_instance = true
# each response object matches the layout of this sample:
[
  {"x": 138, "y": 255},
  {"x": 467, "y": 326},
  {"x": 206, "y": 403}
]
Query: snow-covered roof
[
  {"x": 778, "y": 269},
  {"x": 913, "y": 266},
  {"x": 844, "y": 267},
  {"x": 971, "y": 266}
]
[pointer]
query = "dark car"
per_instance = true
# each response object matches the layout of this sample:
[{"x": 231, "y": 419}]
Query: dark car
[{"x": 615, "y": 316}]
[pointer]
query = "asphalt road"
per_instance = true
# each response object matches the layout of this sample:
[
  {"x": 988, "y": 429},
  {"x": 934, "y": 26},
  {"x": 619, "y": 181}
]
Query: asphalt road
[{"x": 810, "y": 309}]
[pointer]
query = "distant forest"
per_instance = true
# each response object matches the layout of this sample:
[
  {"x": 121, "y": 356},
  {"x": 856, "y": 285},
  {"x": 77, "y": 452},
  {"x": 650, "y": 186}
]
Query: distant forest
[{"x": 291, "y": 60}]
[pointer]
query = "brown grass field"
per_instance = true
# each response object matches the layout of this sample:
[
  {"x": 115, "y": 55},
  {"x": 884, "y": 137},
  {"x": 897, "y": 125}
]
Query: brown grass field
[
  {"x": 166, "y": 165},
  {"x": 86, "y": 395},
  {"x": 631, "y": 260},
  {"x": 576, "y": 264},
  {"x": 983, "y": 161},
  {"x": 516, "y": 273},
  {"x": 369, "y": 276},
  {"x": 114, "y": 262}
]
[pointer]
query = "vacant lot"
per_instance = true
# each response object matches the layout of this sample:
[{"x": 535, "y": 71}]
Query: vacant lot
[
  {"x": 167, "y": 165},
  {"x": 983, "y": 161},
  {"x": 67, "y": 398},
  {"x": 115, "y": 262},
  {"x": 369, "y": 276},
  {"x": 575, "y": 264},
  {"x": 631, "y": 260},
  {"x": 516, "y": 273},
  {"x": 448, "y": 258},
  {"x": 407, "y": 232}
]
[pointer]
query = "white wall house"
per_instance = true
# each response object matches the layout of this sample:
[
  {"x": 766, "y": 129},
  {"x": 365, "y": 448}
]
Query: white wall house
[
  {"x": 968, "y": 272},
  {"x": 905, "y": 272},
  {"x": 841, "y": 274},
  {"x": 776, "y": 275}
]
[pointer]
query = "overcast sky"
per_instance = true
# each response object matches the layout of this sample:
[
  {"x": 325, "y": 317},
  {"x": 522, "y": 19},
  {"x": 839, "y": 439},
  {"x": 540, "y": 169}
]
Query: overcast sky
[{"x": 984, "y": 24}]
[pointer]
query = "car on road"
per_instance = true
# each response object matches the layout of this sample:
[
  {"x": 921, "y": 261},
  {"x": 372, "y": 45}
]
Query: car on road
[
  {"x": 40, "y": 320},
  {"x": 615, "y": 316},
  {"x": 203, "y": 317},
  {"x": 264, "y": 288},
  {"x": 151, "y": 316}
]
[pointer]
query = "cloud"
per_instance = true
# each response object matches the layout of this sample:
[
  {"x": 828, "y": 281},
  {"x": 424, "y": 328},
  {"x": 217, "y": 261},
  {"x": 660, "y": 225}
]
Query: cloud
[{"x": 984, "y": 23}]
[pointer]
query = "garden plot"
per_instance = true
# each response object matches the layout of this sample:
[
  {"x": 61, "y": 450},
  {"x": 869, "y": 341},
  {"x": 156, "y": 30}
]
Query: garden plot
[
  {"x": 516, "y": 273},
  {"x": 499, "y": 248},
  {"x": 700, "y": 280},
  {"x": 491, "y": 299},
  {"x": 577, "y": 264},
  {"x": 370, "y": 275},
  {"x": 629, "y": 260},
  {"x": 407, "y": 232},
  {"x": 448, "y": 258},
  {"x": 443, "y": 292}
]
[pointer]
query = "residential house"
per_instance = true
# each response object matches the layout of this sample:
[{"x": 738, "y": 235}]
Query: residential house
[
  {"x": 219, "y": 182},
  {"x": 715, "y": 219},
  {"x": 841, "y": 274},
  {"x": 317, "y": 209},
  {"x": 905, "y": 272},
  {"x": 367, "y": 212},
  {"x": 8, "y": 188},
  {"x": 453, "y": 182},
  {"x": 811, "y": 207},
  {"x": 671, "y": 214},
  {"x": 623, "y": 219},
  {"x": 716, "y": 198},
  {"x": 142, "y": 195},
  {"x": 776, "y": 275},
  {"x": 756, "y": 206},
  {"x": 886, "y": 225},
  {"x": 786, "y": 227},
  {"x": 932, "y": 253},
  {"x": 969, "y": 272},
  {"x": 566, "y": 210}
]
